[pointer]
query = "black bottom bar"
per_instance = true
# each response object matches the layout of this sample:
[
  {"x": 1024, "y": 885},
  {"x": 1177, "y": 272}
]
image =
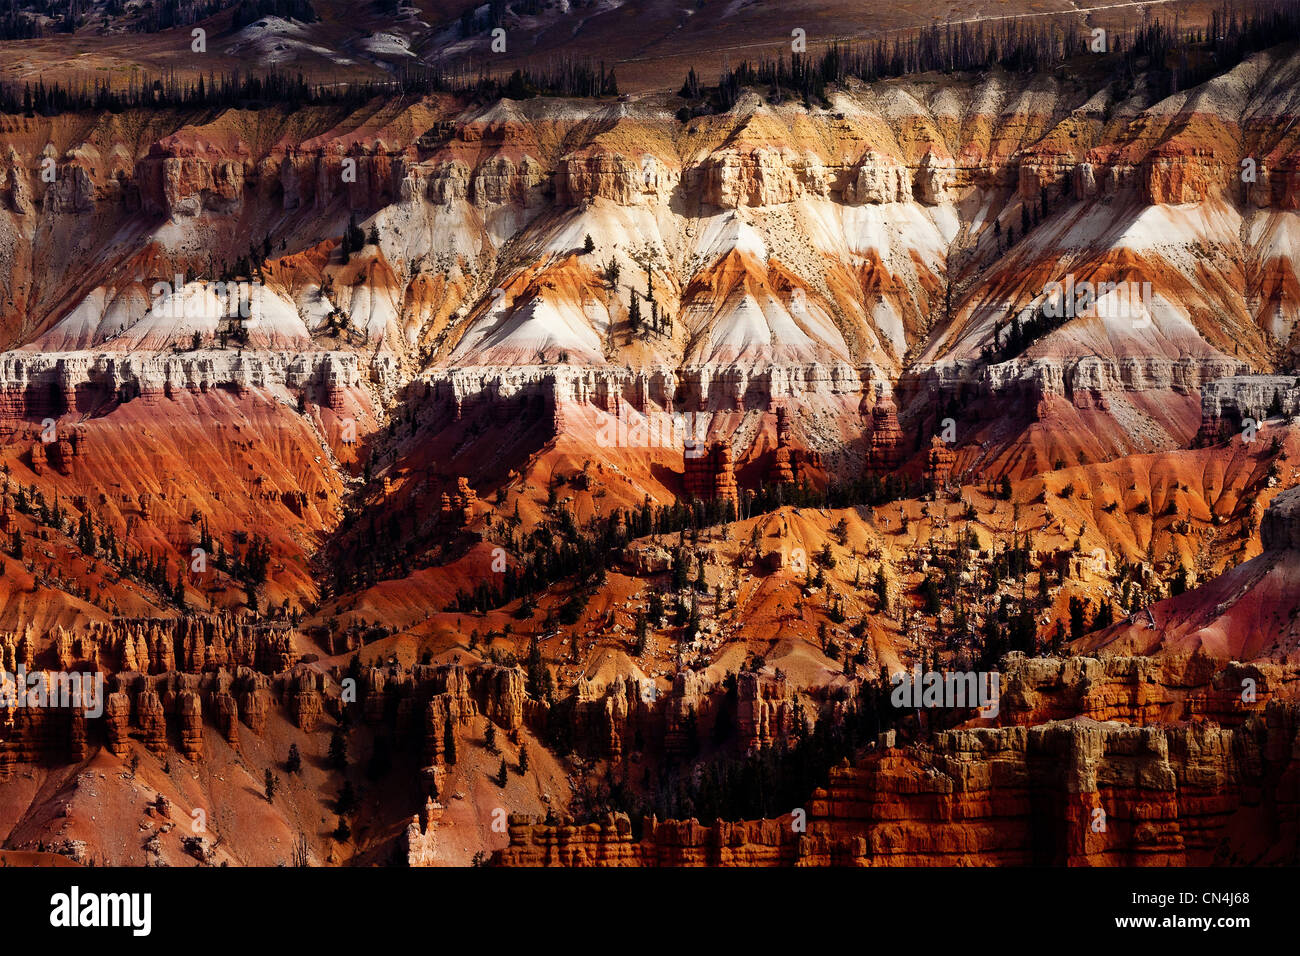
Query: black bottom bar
[{"x": 908, "y": 906}]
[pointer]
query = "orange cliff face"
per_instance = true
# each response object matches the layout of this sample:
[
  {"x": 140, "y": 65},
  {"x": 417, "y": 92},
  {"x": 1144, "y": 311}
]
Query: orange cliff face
[
  {"x": 1055, "y": 790},
  {"x": 231, "y": 458},
  {"x": 1009, "y": 797}
]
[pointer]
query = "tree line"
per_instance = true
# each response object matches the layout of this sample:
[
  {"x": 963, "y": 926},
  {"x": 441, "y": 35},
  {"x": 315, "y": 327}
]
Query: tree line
[
  {"x": 1172, "y": 57},
  {"x": 254, "y": 91}
]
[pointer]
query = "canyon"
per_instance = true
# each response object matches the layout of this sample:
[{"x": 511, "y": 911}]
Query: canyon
[{"x": 449, "y": 477}]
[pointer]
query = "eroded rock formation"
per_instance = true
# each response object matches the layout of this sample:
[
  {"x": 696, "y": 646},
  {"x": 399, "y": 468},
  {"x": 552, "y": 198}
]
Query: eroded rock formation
[{"x": 710, "y": 473}]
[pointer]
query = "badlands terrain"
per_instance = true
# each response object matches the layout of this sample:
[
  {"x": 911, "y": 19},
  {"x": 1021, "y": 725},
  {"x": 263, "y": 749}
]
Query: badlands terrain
[{"x": 439, "y": 476}]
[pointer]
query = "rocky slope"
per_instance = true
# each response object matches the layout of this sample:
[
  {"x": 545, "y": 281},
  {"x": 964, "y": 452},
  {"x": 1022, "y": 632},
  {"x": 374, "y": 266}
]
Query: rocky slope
[
  {"x": 776, "y": 254},
  {"x": 1247, "y": 612}
]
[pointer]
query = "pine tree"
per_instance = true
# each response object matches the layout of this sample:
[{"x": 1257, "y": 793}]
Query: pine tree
[
  {"x": 347, "y": 801},
  {"x": 691, "y": 88},
  {"x": 449, "y": 741},
  {"x": 523, "y": 759},
  {"x": 294, "y": 763},
  {"x": 338, "y": 749},
  {"x": 536, "y": 669},
  {"x": 490, "y": 737},
  {"x": 86, "y": 535},
  {"x": 642, "y": 633},
  {"x": 1078, "y": 618},
  {"x": 502, "y": 776},
  {"x": 272, "y": 784}
]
